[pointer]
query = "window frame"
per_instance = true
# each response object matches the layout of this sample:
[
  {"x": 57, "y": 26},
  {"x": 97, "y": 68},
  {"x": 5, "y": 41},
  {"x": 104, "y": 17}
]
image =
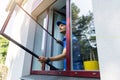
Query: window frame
[{"x": 69, "y": 72}]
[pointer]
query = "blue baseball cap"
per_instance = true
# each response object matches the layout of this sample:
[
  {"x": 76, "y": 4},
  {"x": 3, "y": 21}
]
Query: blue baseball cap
[{"x": 61, "y": 22}]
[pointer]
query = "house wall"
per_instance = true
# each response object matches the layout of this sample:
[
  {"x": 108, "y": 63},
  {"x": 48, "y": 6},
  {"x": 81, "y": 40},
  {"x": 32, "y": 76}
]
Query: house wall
[
  {"x": 107, "y": 23},
  {"x": 107, "y": 17},
  {"x": 18, "y": 61}
]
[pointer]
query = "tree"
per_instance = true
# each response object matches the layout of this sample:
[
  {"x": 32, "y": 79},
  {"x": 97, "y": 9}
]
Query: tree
[
  {"x": 75, "y": 12},
  {"x": 83, "y": 29},
  {"x": 3, "y": 49},
  {"x": 84, "y": 21}
]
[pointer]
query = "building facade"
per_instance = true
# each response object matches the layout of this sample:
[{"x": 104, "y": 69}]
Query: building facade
[{"x": 31, "y": 28}]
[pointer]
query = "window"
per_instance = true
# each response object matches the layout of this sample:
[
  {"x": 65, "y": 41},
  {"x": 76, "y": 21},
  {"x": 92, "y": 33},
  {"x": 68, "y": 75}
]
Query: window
[
  {"x": 40, "y": 38},
  {"x": 44, "y": 44},
  {"x": 80, "y": 34},
  {"x": 83, "y": 39}
]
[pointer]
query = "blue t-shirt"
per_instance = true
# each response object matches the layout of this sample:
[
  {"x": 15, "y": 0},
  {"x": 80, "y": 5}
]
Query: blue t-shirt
[
  {"x": 64, "y": 46},
  {"x": 77, "y": 62},
  {"x": 64, "y": 42}
]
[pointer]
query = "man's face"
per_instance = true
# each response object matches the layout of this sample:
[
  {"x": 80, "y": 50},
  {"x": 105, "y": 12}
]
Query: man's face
[{"x": 62, "y": 28}]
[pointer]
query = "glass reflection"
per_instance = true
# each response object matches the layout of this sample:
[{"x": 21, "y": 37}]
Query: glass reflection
[{"x": 84, "y": 47}]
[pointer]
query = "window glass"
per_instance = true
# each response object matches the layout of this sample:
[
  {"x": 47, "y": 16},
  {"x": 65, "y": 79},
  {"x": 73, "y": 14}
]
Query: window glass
[
  {"x": 83, "y": 38},
  {"x": 54, "y": 48},
  {"x": 40, "y": 40},
  {"x": 57, "y": 48},
  {"x": 46, "y": 44}
]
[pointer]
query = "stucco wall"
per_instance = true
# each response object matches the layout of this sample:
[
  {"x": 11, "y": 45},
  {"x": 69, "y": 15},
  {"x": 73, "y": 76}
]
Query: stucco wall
[
  {"x": 107, "y": 23},
  {"x": 22, "y": 29}
]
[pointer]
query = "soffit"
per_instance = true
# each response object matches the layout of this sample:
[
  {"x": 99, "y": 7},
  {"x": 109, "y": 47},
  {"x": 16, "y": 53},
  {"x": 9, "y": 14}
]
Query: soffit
[
  {"x": 12, "y": 3},
  {"x": 42, "y": 6}
]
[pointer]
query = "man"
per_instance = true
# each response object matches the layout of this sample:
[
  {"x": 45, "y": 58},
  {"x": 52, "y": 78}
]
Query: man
[{"x": 77, "y": 64}]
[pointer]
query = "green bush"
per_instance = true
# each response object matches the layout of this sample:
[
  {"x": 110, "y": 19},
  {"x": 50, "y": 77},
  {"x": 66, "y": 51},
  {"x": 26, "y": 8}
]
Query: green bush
[{"x": 3, "y": 49}]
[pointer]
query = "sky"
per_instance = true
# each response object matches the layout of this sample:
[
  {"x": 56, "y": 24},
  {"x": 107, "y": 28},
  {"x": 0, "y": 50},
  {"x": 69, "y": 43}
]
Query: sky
[{"x": 84, "y": 5}]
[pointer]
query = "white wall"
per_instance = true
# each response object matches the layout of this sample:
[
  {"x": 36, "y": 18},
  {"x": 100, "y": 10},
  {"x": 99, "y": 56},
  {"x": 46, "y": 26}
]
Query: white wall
[
  {"x": 107, "y": 23},
  {"x": 18, "y": 61}
]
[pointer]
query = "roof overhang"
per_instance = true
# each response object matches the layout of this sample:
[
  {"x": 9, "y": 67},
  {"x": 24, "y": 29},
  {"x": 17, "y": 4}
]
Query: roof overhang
[
  {"x": 12, "y": 3},
  {"x": 42, "y": 6}
]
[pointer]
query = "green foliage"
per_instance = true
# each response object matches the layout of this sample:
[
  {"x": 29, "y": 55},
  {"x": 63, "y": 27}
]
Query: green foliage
[
  {"x": 3, "y": 49},
  {"x": 84, "y": 21},
  {"x": 81, "y": 29},
  {"x": 75, "y": 12}
]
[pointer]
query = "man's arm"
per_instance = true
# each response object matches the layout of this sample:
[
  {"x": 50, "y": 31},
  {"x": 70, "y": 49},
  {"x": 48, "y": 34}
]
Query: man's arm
[{"x": 54, "y": 58}]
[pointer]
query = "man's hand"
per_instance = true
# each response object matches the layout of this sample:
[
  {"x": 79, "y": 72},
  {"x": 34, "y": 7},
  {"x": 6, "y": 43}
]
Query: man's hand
[{"x": 42, "y": 59}]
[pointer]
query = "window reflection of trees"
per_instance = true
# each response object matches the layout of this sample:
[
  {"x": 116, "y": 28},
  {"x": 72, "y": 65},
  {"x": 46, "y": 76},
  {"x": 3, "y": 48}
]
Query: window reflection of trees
[{"x": 83, "y": 28}]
